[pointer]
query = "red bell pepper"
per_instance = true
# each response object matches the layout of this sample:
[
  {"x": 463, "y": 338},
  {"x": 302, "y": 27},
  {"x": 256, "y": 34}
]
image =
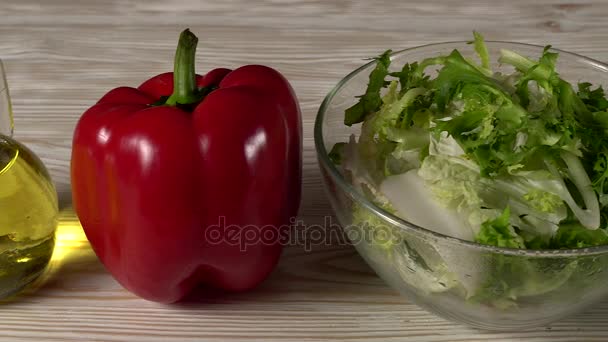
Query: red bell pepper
[{"x": 155, "y": 169}]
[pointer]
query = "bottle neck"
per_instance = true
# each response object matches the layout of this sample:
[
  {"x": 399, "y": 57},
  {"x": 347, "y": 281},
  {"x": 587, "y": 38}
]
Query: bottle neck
[{"x": 6, "y": 110}]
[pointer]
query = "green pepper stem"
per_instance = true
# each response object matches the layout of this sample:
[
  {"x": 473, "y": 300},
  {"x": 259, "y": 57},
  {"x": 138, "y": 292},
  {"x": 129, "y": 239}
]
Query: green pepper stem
[{"x": 185, "y": 90}]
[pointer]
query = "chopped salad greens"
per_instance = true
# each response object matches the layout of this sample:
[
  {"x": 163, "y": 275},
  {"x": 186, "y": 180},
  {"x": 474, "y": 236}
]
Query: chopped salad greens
[
  {"x": 516, "y": 160},
  {"x": 522, "y": 158}
]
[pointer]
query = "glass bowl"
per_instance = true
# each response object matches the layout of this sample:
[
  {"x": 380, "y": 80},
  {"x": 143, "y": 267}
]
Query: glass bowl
[{"x": 482, "y": 286}]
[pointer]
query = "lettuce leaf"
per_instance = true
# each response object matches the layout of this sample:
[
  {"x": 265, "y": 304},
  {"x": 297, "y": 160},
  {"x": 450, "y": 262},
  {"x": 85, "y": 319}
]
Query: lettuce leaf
[
  {"x": 574, "y": 235},
  {"x": 499, "y": 232}
]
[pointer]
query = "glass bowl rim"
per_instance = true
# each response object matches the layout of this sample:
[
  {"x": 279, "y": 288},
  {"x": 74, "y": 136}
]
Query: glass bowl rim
[{"x": 407, "y": 226}]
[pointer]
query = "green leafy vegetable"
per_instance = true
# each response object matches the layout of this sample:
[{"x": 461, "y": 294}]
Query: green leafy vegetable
[
  {"x": 499, "y": 232},
  {"x": 482, "y": 50},
  {"x": 335, "y": 155},
  {"x": 370, "y": 101},
  {"x": 573, "y": 235},
  {"x": 512, "y": 278},
  {"x": 543, "y": 200},
  {"x": 595, "y": 99}
]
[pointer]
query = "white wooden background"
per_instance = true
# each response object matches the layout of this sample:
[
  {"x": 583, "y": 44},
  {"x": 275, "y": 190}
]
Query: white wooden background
[{"x": 62, "y": 55}]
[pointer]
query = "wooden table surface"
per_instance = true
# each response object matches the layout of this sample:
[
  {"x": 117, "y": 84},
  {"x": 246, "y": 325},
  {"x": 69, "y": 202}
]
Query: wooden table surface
[{"x": 62, "y": 55}]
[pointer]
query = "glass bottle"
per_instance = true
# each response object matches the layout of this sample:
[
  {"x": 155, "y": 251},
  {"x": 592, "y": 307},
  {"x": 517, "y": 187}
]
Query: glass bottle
[{"x": 28, "y": 207}]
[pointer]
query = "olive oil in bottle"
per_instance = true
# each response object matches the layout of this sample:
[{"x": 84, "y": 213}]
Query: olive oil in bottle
[{"x": 28, "y": 216}]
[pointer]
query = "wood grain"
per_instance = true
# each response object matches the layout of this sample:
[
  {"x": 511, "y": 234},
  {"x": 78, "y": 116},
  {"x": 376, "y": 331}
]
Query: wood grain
[{"x": 62, "y": 55}]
